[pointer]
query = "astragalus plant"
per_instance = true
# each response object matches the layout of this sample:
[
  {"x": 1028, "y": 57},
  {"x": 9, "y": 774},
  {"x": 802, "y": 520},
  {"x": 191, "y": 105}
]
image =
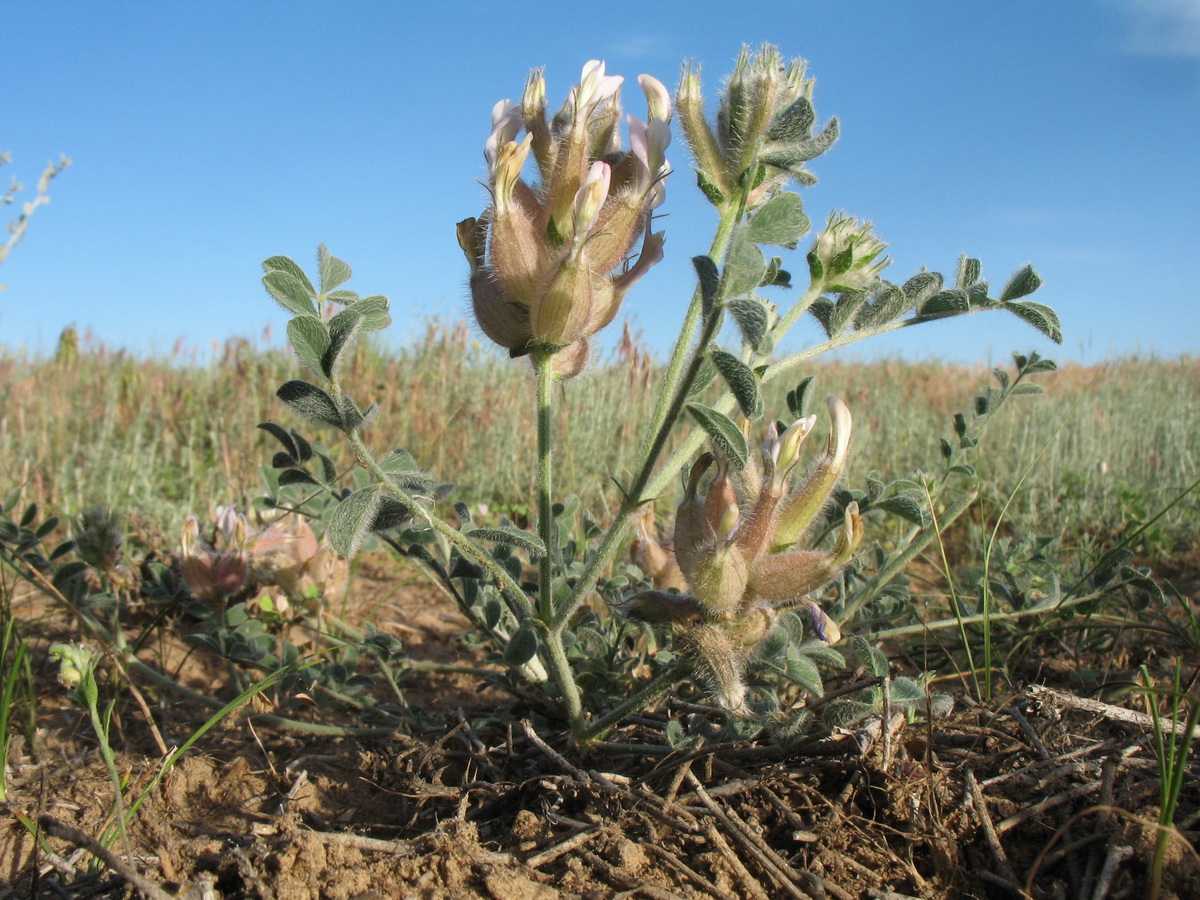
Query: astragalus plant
[{"x": 729, "y": 595}]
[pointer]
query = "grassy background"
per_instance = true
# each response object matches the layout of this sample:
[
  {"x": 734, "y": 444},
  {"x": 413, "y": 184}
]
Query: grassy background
[{"x": 159, "y": 438}]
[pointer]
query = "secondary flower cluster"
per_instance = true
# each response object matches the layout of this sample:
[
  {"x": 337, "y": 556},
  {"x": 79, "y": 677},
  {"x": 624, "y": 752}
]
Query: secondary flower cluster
[
  {"x": 763, "y": 127},
  {"x": 734, "y": 563},
  {"x": 549, "y": 261},
  {"x": 286, "y": 555}
]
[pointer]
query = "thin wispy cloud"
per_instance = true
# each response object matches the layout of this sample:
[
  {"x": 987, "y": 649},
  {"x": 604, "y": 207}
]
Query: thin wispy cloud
[
  {"x": 1166, "y": 28},
  {"x": 638, "y": 46}
]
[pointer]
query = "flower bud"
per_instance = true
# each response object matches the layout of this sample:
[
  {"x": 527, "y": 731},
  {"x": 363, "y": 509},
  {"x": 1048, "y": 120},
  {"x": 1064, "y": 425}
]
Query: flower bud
[
  {"x": 589, "y": 198},
  {"x": 720, "y": 504},
  {"x": 506, "y": 122},
  {"x": 748, "y": 106},
  {"x": 507, "y": 324},
  {"x": 533, "y": 111},
  {"x": 661, "y": 608},
  {"x": 710, "y": 165},
  {"x": 75, "y": 662},
  {"x": 789, "y": 576},
  {"x": 692, "y": 533},
  {"x": 787, "y": 452},
  {"x": 658, "y": 98},
  {"x": 847, "y": 255},
  {"x": 825, "y": 629},
  {"x": 209, "y": 573},
  {"x": 656, "y": 562},
  {"x": 756, "y": 148},
  {"x": 720, "y": 580},
  {"x": 798, "y": 511}
]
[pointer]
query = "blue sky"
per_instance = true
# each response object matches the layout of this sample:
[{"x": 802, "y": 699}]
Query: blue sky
[{"x": 209, "y": 136}]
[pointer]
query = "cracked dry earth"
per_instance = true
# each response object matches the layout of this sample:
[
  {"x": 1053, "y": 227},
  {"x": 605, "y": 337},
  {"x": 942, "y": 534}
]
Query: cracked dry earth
[{"x": 1037, "y": 794}]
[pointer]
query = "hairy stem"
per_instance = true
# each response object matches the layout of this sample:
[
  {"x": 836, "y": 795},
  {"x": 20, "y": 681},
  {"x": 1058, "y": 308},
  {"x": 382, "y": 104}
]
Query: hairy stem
[
  {"x": 545, "y": 481},
  {"x": 467, "y": 547},
  {"x": 556, "y": 653}
]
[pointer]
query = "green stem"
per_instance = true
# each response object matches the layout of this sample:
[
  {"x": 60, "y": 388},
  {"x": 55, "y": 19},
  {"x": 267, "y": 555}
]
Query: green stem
[
  {"x": 900, "y": 561},
  {"x": 471, "y": 550},
  {"x": 556, "y": 651},
  {"x": 662, "y": 683},
  {"x": 544, "y": 364},
  {"x": 100, "y": 726},
  {"x": 922, "y": 627},
  {"x": 152, "y": 674},
  {"x": 725, "y": 224},
  {"x": 681, "y": 373}
]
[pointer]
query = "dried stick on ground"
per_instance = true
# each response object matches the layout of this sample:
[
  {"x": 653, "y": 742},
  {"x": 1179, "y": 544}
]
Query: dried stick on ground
[
  {"x": 62, "y": 831},
  {"x": 778, "y": 868},
  {"x": 1119, "y": 713}
]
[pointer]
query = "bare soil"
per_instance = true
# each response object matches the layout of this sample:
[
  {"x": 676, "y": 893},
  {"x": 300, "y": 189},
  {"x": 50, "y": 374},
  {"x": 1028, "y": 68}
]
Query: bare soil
[{"x": 1031, "y": 795}]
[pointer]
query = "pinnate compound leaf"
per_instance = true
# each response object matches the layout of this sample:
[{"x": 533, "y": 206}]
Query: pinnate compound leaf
[
  {"x": 334, "y": 272},
  {"x": 822, "y": 311},
  {"x": 794, "y": 123},
  {"x": 951, "y": 301},
  {"x": 289, "y": 266},
  {"x": 328, "y": 469},
  {"x": 969, "y": 270},
  {"x": 522, "y": 647},
  {"x": 392, "y": 513},
  {"x": 908, "y": 506},
  {"x": 290, "y": 293},
  {"x": 745, "y": 266},
  {"x": 303, "y": 448},
  {"x": 1040, "y": 316},
  {"x": 309, "y": 337},
  {"x": 704, "y": 377},
  {"x": 781, "y": 221},
  {"x": 1027, "y": 388},
  {"x": 508, "y": 536},
  {"x": 794, "y": 154},
  {"x": 797, "y": 399},
  {"x": 710, "y": 282},
  {"x": 742, "y": 382},
  {"x": 343, "y": 329},
  {"x": 886, "y": 304},
  {"x": 870, "y": 656},
  {"x": 977, "y": 294},
  {"x": 399, "y": 462},
  {"x": 752, "y": 318},
  {"x": 921, "y": 287},
  {"x": 282, "y": 435},
  {"x": 906, "y": 691},
  {"x": 351, "y": 520},
  {"x": 1040, "y": 365},
  {"x": 295, "y": 476},
  {"x": 803, "y": 671},
  {"x": 845, "y": 311},
  {"x": 352, "y": 418},
  {"x": 776, "y": 275},
  {"x": 374, "y": 311},
  {"x": 725, "y": 435},
  {"x": 311, "y": 402},
  {"x": 1024, "y": 282},
  {"x": 709, "y": 188}
]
